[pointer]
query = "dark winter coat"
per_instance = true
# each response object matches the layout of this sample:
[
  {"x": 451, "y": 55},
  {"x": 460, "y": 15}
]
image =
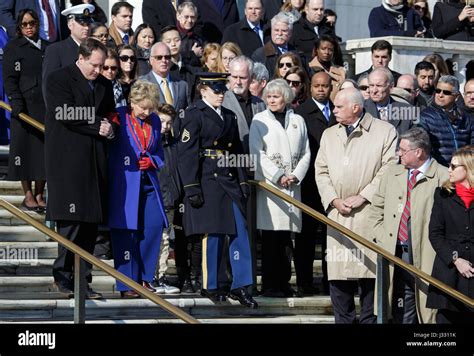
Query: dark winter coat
[
  {"x": 384, "y": 23},
  {"x": 446, "y": 24}
]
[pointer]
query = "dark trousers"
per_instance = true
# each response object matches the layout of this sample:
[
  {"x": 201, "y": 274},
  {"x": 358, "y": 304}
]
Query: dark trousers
[
  {"x": 276, "y": 260},
  {"x": 404, "y": 302},
  {"x": 342, "y": 299},
  {"x": 82, "y": 234}
]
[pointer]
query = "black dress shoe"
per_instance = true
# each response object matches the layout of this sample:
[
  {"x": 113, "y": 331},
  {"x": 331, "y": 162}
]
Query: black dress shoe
[
  {"x": 148, "y": 287},
  {"x": 187, "y": 287},
  {"x": 64, "y": 289},
  {"x": 215, "y": 296},
  {"x": 129, "y": 294},
  {"x": 272, "y": 293},
  {"x": 92, "y": 294},
  {"x": 243, "y": 297},
  {"x": 306, "y": 291}
]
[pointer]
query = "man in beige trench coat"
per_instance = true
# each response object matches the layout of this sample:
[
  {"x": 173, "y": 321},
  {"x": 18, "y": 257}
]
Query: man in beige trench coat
[
  {"x": 350, "y": 163},
  {"x": 407, "y": 295}
]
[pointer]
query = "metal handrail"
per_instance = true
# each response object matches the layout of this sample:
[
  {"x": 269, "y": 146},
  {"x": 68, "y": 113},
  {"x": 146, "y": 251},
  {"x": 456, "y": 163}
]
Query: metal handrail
[
  {"x": 370, "y": 245},
  {"x": 78, "y": 251}
]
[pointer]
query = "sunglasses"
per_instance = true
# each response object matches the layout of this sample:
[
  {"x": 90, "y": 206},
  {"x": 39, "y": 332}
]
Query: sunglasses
[
  {"x": 419, "y": 8},
  {"x": 102, "y": 35},
  {"x": 125, "y": 58},
  {"x": 32, "y": 23},
  {"x": 160, "y": 57},
  {"x": 112, "y": 68},
  {"x": 445, "y": 92},
  {"x": 287, "y": 65},
  {"x": 454, "y": 166},
  {"x": 363, "y": 87},
  {"x": 293, "y": 83}
]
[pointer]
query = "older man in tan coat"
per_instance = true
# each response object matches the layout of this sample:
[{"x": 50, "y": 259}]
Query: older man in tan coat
[
  {"x": 350, "y": 163},
  {"x": 392, "y": 221}
]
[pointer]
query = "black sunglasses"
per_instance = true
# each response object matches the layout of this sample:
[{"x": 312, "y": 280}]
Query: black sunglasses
[
  {"x": 113, "y": 68},
  {"x": 31, "y": 23},
  {"x": 454, "y": 166},
  {"x": 363, "y": 87},
  {"x": 160, "y": 57},
  {"x": 288, "y": 65},
  {"x": 419, "y": 8},
  {"x": 125, "y": 58},
  {"x": 445, "y": 92},
  {"x": 293, "y": 83}
]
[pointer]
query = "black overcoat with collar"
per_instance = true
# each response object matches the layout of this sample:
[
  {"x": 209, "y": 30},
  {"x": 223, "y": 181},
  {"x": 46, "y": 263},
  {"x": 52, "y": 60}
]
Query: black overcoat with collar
[
  {"x": 75, "y": 153},
  {"x": 220, "y": 184},
  {"x": 451, "y": 234}
]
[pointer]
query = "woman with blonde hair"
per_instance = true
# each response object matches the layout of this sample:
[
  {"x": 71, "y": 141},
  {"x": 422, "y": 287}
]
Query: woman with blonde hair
[
  {"x": 294, "y": 8},
  {"x": 441, "y": 68},
  {"x": 227, "y": 52},
  {"x": 450, "y": 234},
  {"x": 209, "y": 57},
  {"x": 422, "y": 8},
  {"x": 137, "y": 216}
]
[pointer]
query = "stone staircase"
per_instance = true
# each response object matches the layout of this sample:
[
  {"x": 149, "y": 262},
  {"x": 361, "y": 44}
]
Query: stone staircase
[{"x": 27, "y": 293}]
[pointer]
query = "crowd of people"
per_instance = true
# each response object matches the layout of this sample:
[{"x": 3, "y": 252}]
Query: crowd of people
[{"x": 143, "y": 130}]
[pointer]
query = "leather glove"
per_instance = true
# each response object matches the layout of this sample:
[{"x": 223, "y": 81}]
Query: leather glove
[
  {"x": 196, "y": 200},
  {"x": 145, "y": 163}
]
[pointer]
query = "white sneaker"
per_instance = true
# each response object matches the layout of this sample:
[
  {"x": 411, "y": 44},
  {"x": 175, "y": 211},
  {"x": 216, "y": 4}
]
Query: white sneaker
[{"x": 163, "y": 287}]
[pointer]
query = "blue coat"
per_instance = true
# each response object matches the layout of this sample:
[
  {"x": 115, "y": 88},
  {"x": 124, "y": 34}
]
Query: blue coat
[
  {"x": 385, "y": 23},
  {"x": 125, "y": 177},
  {"x": 445, "y": 137}
]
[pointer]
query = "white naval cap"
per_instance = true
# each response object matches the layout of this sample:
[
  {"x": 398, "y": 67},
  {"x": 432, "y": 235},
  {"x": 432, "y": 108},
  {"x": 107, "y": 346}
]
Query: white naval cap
[{"x": 79, "y": 12}]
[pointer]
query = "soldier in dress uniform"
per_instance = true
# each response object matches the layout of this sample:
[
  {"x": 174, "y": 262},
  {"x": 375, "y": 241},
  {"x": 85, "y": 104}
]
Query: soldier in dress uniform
[{"x": 215, "y": 193}]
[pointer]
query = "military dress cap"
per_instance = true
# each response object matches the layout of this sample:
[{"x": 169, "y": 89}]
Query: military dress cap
[
  {"x": 215, "y": 81},
  {"x": 80, "y": 13}
]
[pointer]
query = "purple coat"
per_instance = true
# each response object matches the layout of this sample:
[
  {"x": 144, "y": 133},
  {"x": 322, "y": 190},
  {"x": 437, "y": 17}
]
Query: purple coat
[{"x": 125, "y": 177}]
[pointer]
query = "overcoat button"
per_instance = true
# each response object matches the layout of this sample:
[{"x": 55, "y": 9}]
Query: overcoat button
[
  {"x": 215, "y": 174},
  {"x": 229, "y": 145},
  {"x": 215, "y": 143}
]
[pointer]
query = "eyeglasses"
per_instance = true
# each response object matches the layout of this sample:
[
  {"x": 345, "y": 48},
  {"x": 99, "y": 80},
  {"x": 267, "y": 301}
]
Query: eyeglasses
[
  {"x": 101, "y": 35},
  {"x": 445, "y": 92},
  {"x": 287, "y": 65},
  {"x": 293, "y": 83},
  {"x": 160, "y": 57},
  {"x": 112, "y": 68},
  {"x": 454, "y": 166},
  {"x": 419, "y": 8},
  {"x": 404, "y": 152},
  {"x": 363, "y": 87},
  {"x": 125, "y": 58},
  {"x": 31, "y": 23}
]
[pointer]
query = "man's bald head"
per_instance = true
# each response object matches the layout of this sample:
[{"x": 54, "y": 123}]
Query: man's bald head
[{"x": 348, "y": 106}]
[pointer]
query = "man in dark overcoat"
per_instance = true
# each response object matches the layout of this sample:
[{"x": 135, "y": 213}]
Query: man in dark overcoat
[{"x": 79, "y": 101}]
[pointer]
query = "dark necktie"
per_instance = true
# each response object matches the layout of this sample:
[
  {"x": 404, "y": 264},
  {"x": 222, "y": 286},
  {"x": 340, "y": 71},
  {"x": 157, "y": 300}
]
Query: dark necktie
[
  {"x": 349, "y": 130},
  {"x": 125, "y": 39},
  {"x": 403, "y": 228},
  {"x": 49, "y": 15}
]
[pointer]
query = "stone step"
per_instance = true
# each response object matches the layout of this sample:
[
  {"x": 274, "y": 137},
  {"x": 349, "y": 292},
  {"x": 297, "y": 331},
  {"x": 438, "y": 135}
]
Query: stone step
[
  {"x": 8, "y": 219},
  {"x": 11, "y": 188},
  {"x": 13, "y": 199},
  {"x": 21, "y": 233},
  {"x": 60, "y": 309},
  {"x": 290, "y": 319},
  {"x": 28, "y": 250}
]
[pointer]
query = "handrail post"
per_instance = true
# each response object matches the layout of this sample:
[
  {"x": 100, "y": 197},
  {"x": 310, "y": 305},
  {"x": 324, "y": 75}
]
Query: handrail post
[
  {"x": 382, "y": 290},
  {"x": 79, "y": 290}
]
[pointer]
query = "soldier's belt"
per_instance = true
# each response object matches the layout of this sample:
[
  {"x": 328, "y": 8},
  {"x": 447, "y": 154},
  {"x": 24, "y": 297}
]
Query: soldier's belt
[{"x": 213, "y": 153}]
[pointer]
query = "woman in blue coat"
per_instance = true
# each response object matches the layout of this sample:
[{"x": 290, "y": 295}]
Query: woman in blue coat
[{"x": 137, "y": 216}]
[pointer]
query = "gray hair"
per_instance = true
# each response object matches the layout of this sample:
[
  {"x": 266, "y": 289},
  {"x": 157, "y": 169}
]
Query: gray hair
[
  {"x": 353, "y": 97},
  {"x": 418, "y": 138},
  {"x": 284, "y": 18},
  {"x": 353, "y": 82},
  {"x": 452, "y": 80},
  {"x": 386, "y": 72},
  {"x": 260, "y": 72},
  {"x": 279, "y": 86},
  {"x": 362, "y": 77},
  {"x": 189, "y": 5},
  {"x": 242, "y": 60}
]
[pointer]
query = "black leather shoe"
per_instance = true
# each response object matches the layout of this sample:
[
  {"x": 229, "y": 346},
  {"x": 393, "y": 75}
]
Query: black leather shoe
[
  {"x": 213, "y": 295},
  {"x": 306, "y": 291},
  {"x": 243, "y": 297},
  {"x": 187, "y": 287},
  {"x": 148, "y": 287},
  {"x": 92, "y": 294},
  {"x": 64, "y": 289}
]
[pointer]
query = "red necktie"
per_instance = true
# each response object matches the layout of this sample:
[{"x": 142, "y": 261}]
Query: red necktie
[
  {"x": 49, "y": 15},
  {"x": 403, "y": 228}
]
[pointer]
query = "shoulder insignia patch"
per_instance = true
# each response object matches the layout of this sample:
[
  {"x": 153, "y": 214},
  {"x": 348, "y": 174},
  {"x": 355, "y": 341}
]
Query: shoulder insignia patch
[{"x": 186, "y": 136}]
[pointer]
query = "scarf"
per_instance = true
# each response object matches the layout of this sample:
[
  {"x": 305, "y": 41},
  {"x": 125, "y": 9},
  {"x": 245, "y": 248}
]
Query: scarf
[
  {"x": 466, "y": 194},
  {"x": 183, "y": 31},
  {"x": 454, "y": 114},
  {"x": 395, "y": 9}
]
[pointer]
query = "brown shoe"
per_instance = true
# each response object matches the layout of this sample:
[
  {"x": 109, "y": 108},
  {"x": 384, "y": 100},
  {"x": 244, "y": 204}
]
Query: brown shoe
[{"x": 129, "y": 294}]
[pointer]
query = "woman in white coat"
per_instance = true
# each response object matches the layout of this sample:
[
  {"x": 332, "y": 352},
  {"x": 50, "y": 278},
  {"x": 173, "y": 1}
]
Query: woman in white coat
[{"x": 279, "y": 143}]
